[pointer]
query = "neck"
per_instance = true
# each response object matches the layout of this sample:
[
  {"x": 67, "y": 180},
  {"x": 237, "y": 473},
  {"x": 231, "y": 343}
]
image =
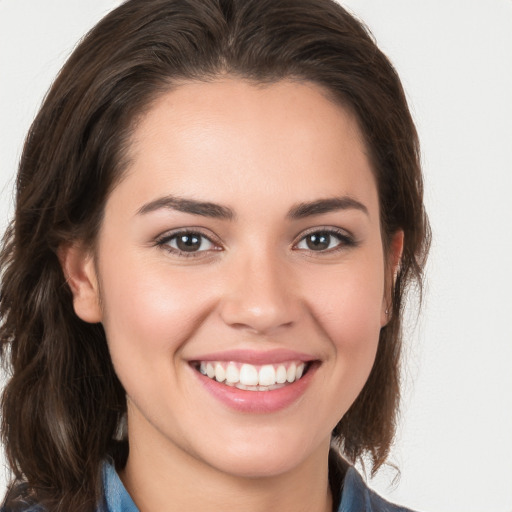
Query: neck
[{"x": 167, "y": 478}]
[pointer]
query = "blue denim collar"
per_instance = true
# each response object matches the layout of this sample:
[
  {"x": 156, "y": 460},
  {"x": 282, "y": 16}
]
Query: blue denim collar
[
  {"x": 116, "y": 496},
  {"x": 356, "y": 496}
]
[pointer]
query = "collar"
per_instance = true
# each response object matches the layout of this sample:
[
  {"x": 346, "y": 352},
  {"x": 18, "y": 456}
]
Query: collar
[
  {"x": 116, "y": 497},
  {"x": 355, "y": 494}
]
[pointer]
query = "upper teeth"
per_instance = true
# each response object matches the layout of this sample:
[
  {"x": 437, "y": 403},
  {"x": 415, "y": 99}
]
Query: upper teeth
[{"x": 241, "y": 375}]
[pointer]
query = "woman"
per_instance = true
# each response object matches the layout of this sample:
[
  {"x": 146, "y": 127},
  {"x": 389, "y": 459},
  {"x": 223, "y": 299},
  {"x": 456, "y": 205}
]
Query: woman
[{"x": 219, "y": 209}]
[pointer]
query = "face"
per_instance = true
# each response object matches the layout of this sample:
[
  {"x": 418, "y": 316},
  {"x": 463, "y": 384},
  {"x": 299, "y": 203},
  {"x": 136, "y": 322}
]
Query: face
[{"x": 239, "y": 275}]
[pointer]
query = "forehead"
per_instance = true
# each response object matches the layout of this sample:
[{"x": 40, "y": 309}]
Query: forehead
[{"x": 214, "y": 140}]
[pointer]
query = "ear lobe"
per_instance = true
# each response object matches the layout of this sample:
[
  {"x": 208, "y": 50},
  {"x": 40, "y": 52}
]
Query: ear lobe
[
  {"x": 394, "y": 256},
  {"x": 78, "y": 267}
]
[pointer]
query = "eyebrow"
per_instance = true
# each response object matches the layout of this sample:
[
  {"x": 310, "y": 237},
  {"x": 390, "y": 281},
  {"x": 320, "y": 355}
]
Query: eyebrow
[
  {"x": 217, "y": 211},
  {"x": 328, "y": 205},
  {"x": 203, "y": 208}
]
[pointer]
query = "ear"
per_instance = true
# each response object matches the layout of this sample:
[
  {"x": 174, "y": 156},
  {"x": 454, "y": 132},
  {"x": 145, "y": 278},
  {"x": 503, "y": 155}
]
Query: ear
[
  {"x": 78, "y": 267},
  {"x": 392, "y": 263}
]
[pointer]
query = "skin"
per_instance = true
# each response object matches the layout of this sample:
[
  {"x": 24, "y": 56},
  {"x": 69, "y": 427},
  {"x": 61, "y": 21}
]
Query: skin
[{"x": 258, "y": 285}]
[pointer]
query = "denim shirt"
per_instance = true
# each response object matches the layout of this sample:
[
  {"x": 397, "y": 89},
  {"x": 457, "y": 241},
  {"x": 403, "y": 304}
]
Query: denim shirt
[{"x": 355, "y": 495}]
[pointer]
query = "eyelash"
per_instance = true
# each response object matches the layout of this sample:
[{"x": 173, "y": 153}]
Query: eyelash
[
  {"x": 345, "y": 241},
  {"x": 164, "y": 241}
]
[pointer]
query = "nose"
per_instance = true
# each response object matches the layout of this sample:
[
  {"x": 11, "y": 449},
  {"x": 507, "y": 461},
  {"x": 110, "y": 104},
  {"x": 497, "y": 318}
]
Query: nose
[{"x": 261, "y": 295}]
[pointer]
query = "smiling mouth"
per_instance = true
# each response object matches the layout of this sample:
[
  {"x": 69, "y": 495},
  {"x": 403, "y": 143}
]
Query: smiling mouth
[{"x": 251, "y": 377}]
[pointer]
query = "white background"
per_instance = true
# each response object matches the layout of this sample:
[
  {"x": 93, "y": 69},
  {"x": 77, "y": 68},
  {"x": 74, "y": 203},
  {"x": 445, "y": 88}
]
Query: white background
[{"x": 454, "y": 447}]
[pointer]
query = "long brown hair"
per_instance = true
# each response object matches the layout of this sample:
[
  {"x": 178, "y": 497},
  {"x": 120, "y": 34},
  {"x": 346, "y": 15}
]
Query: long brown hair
[{"x": 63, "y": 403}]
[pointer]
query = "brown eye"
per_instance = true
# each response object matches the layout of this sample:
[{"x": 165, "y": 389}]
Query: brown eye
[
  {"x": 324, "y": 240},
  {"x": 318, "y": 241},
  {"x": 188, "y": 242}
]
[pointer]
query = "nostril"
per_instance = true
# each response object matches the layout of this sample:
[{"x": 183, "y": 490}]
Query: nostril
[
  {"x": 262, "y": 329},
  {"x": 259, "y": 314}
]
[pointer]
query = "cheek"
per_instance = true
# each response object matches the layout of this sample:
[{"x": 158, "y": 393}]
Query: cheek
[
  {"x": 347, "y": 305},
  {"x": 348, "y": 296},
  {"x": 151, "y": 313}
]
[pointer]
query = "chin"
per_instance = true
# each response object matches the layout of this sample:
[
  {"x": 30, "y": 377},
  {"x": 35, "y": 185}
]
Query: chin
[
  {"x": 262, "y": 459},
  {"x": 259, "y": 467}
]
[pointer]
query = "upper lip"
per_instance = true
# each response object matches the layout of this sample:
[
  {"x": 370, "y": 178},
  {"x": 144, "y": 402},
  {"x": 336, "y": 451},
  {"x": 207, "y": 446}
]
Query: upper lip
[{"x": 256, "y": 357}]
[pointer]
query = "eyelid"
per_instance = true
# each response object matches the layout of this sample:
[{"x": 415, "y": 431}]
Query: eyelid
[
  {"x": 346, "y": 238},
  {"x": 163, "y": 239}
]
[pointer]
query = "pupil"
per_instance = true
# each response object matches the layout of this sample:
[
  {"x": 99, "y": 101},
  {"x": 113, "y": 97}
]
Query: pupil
[
  {"x": 318, "y": 241},
  {"x": 188, "y": 243}
]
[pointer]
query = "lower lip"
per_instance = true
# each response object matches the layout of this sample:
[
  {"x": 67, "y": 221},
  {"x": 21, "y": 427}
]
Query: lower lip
[{"x": 258, "y": 401}]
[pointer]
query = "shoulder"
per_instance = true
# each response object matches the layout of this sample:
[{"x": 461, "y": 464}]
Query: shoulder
[
  {"x": 17, "y": 499},
  {"x": 20, "y": 507},
  {"x": 357, "y": 496},
  {"x": 351, "y": 492}
]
